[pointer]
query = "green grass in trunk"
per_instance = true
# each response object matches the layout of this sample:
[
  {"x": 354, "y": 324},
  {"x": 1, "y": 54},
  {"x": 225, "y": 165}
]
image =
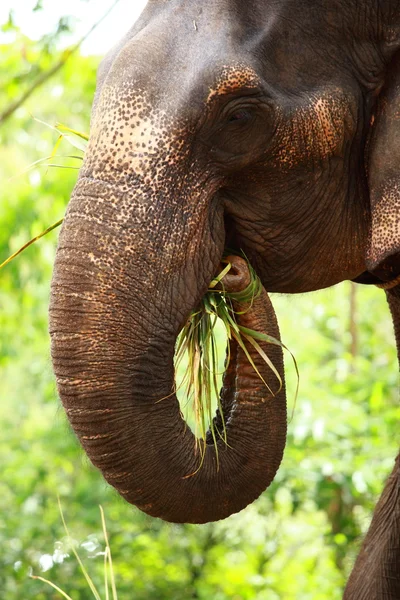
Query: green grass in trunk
[{"x": 197, "y": 344}]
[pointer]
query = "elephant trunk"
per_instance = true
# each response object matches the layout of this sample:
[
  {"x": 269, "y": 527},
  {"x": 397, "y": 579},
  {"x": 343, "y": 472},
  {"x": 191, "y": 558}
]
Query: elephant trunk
[{"x": 116, "y": 309}]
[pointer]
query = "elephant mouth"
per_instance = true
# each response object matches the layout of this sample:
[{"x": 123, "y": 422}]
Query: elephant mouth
[{"x": 230, "y": 234}]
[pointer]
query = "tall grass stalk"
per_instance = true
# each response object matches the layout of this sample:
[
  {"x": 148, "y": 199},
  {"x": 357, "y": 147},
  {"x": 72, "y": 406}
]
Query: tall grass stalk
[{"x": 109, "y": 577}]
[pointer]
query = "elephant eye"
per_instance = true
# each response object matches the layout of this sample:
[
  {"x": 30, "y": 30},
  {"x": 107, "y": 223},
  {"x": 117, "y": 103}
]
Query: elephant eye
[
  {"x": 240, "y": 131},
  {"x": 240, "y": 116}
]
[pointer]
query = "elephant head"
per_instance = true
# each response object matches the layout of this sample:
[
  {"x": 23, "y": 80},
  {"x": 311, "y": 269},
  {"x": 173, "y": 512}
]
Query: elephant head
[{"x": 263, "y": 126}]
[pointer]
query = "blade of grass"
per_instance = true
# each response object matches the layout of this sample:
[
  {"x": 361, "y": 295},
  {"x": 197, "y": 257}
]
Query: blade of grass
[
  {"x": 78, "y": 558},
  {"x": 53, "y": 585},
  {"x": 55, "y": 166},
  {"x": 112, "y": 578},
  {"x": 56, "y": 145},
  {"x": 106, "y": 573},
  {"x": 248, "y": 356},
  {"x": 32, "y": 241},
  {"x": 76, "y": 143},
  {"x": 64, "y": 128},
  {"x": 271, "y": 340},
  {"x": 265, "y": 358},
  {"x": 42, "y": 162},
  {"x": 221, "y": 275}
]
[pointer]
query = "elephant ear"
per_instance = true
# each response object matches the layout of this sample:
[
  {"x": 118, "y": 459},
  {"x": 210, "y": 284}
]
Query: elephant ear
[{"x": 383, "y": 253}]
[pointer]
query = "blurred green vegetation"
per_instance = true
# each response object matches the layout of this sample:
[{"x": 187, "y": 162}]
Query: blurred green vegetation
[{"x": 298, "y": 541}]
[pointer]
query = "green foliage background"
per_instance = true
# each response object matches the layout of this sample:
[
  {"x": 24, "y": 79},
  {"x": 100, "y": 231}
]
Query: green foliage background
[{"x": 298, "y": 541}]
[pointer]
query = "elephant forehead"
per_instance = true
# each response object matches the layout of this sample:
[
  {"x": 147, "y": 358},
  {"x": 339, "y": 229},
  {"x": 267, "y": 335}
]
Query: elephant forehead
[
  {"x": 128, "y": 134},
  {"x": 231, "y": 79}
]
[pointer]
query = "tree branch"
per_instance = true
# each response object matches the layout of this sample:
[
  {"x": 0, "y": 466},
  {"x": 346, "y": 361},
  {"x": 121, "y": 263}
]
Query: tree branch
[{"x": 6, "y": 114}]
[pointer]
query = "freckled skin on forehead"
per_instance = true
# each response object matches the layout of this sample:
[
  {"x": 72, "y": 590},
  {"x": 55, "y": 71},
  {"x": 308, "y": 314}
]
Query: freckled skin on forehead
[
  {"x": 156, "y": 194},
  {"x": 234, "y": 78},
  {"x": 128, "y": 135}
]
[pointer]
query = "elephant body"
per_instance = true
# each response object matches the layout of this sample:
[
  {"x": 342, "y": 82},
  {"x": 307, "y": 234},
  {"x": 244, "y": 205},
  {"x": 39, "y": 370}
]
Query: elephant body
[{"x": 269, "y": 127}]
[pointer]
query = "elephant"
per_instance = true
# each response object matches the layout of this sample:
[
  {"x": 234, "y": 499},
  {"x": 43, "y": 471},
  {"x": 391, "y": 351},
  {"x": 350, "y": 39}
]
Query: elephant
[{"x": 265, "y": 127}]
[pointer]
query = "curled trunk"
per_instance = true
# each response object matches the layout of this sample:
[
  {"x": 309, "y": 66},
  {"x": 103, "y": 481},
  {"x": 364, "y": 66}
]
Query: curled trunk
[{"x": 143, "y": 447}]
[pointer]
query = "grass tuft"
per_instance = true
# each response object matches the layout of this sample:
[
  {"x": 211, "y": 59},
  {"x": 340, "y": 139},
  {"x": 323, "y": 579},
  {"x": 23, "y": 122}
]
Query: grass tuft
[{"x": 198, "y": 341}]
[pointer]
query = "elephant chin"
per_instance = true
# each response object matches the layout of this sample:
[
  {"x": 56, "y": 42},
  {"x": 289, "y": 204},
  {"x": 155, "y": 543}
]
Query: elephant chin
[{"x": 116, "y": 387}]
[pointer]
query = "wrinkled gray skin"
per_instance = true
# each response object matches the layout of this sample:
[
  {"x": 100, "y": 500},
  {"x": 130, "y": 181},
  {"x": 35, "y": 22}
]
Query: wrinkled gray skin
[{"x": 267, "y": 126}]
